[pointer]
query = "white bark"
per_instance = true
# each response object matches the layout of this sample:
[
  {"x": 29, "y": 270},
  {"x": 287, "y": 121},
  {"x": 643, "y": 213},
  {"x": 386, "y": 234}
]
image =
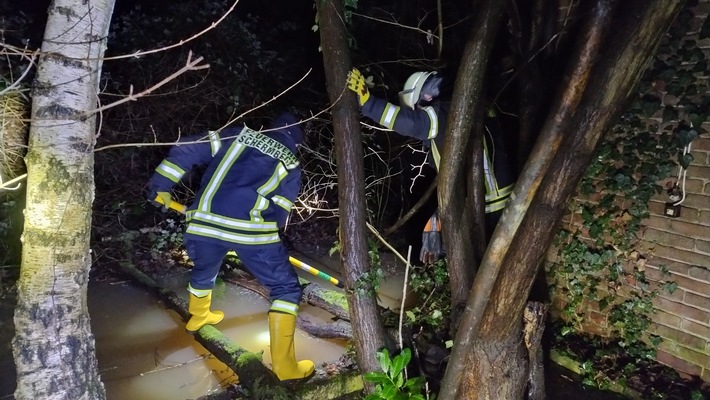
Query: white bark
[{"x": 53, "y": 347}]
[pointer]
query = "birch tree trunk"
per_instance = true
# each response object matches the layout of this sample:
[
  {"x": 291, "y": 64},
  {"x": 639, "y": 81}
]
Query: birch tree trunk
[{"x": 53, "y": 347}]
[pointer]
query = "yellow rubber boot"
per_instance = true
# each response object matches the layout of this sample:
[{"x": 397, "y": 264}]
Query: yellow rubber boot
[
  {"x": 283, "y": 355},
  {"x": 199, "y": 307}
]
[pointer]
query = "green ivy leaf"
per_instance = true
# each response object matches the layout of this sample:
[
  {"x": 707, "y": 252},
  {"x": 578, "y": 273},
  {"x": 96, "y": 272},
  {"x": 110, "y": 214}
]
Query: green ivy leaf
[{"x": 376, "y": 377}]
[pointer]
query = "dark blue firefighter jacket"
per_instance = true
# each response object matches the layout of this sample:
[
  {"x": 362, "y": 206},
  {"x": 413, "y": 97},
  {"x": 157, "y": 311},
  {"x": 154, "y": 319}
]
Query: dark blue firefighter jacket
[{"x": 247, "y": 191}]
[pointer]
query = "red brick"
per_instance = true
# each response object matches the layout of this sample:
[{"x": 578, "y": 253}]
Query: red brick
[
  {"x": 696, "y": 329},
  {"x": 669, "y": 238},
  {"x": 671, "y": 265},
  {"x": 676, "y": 341},
  {"x": 695, "y": 300},
  {"x": 702, "y": 246},
  {"x": 666, "y": 319},
  {"x": 692, "y": 230},
  {"x": 696, "y": 186},
  {"x": 680, "y": 349},
  {"x": 706, "y": 375},
  {"x": 698, "y": 201},
  {"x": 658, "y": 222},
  {"x": 701, "y": 143},
  {"x": 654, "y": 274},
  {"x": 683, "y": 256},
  {"x": 676, "y": 363},
  {"x": 698, "y": 171},
  {"x": 669, "y": 306},
  {"x": 696, "y": 314},
  {"x": 692, "y": 285},
  {"x": 704, "y": 217},
  {"x": 699, "y": 273}
]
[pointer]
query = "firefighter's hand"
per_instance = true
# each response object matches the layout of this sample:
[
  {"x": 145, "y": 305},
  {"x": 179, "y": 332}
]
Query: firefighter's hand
[
  {"x": 160, "y": 199},
  {"x": 356, "y": 83}
]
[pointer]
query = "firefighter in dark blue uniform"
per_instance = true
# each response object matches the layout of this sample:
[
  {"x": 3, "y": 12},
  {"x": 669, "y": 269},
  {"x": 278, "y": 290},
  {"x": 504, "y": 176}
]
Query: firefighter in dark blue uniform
[
  {"x": 251, "y": 181},
  {"x": 423, "y": 116}
]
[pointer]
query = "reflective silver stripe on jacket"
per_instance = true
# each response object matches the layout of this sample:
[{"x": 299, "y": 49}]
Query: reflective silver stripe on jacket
[
  {"x": 216, "y": 179},
  {"x": 234, "y": 223},
  {"x": 389, "y": 115},
  {"x": 215, "y": 142},
  {"x": 433, "y": 121},
  {"x": 497, "y": 201},
  {"x": 170, "y": 171},
  {"x": 216, "y": 233}
]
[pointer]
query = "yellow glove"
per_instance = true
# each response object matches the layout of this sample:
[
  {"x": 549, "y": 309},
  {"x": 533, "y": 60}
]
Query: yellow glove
[
  {"x": 164, "y": 199},
  {"x": 356, "y": 83}
]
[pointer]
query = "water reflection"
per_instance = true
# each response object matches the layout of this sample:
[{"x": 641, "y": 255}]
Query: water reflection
[{"x": 145, "y": 352}]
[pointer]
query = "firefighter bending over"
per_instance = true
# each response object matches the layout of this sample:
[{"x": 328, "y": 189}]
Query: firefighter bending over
[{"x": 245, "y": 196}]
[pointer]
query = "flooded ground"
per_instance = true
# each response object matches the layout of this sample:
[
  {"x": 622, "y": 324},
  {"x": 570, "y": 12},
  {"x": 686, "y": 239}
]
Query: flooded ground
[{"x": 144, "y": 351}]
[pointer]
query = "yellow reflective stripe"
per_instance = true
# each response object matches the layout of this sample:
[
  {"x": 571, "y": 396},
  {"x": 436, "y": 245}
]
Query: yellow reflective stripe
[
  {"x": 497, "y": 206},
  {"x": 435, "y": 154},
  {"x": 497, "y": 202},
  {"x": 433, "y": 122},
  {"x": 273, "y": 182},
  {"x": 170, "y": 171},
  {"x": 216, "y": 233},
  {"x": 284, "y": 306},
  {"x": 260, "y": 205},
  {"x": 505, "y": 192},
  {"x": 216, "y": 180},
  {"x": 282, "y": 202},
  {"x": 234, "y": 223},
  {"x": 215, "y": 143},
  {"x": 389, "y": 115},
  {"x": 198, "y": 292}
]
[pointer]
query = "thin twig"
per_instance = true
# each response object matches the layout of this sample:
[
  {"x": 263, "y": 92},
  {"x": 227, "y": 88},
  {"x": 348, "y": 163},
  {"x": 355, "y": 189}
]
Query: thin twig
[
  {"x": 404, "y": 295},
  {"x": 190, "y": 65},
  {"x": 181, "y": 42},
  {"x": 378, "y": 236},
  {"x": 182, "y": 364},
  {"x": 5, "y": 185}
]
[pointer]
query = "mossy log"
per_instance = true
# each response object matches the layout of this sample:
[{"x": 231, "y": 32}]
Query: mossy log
[
  {"x": 330, "y": 381},
  {"x": 313, "y": 294}
]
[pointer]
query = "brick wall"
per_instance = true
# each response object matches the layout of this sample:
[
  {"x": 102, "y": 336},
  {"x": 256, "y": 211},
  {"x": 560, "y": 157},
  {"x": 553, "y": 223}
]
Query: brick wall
[{"x": 682, "y": 245}]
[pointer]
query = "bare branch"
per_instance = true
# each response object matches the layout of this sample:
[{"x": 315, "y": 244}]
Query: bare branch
[
  {"x": 181, "y": 42},
  {"x": 190, "y": 65}
]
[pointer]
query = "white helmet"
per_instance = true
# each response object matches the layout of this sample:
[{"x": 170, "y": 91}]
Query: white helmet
[{"x": 409, "y": 96}]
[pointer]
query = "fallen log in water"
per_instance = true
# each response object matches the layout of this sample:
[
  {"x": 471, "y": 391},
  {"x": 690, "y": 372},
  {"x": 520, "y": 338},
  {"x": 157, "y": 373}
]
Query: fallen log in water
[
  {"x": 330, "y": 381},
  {"x": 312, "y": 294}
]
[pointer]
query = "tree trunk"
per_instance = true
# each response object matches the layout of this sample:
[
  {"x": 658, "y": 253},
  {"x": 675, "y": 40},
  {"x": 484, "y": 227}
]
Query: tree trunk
[
  {"x": 596, "y": 94},
  {"x": 503, "y": 364},
  {"x": 53, "y": 346},
  {"x": 466, "y": 104},
  {"x": 367, "y": 327},
  {"x": 534, "y": 320}
]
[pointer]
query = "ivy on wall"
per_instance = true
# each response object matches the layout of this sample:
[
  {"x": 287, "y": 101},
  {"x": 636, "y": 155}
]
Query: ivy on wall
[{"x": 597, "y": 264}]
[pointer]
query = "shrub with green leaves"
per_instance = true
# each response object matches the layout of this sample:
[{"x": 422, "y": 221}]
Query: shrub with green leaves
[{"x": 391, "y": 383}]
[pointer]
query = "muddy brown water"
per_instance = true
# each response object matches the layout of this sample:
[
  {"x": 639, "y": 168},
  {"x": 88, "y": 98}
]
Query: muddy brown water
[{"x": 145, "y": 353}]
